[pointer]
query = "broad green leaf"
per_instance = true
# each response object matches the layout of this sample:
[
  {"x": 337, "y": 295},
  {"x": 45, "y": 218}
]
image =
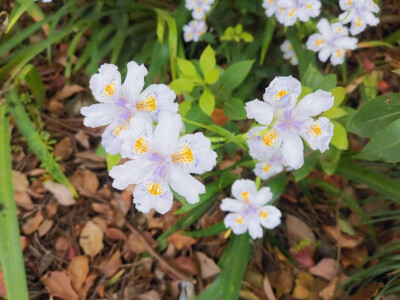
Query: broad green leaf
[
  {"x": 160, "y": 28},
  {"x": 378, "y": 182},
  {"x": 208, "y": 231},
  {"x": 187, "y": 68},
  {"x": 316, "y": 80},
  {"x": 196, "y": 114},
  {"x": 339, "y": 139},
  {"x": 212, "y": 76},
  {"x": 181, "y": 85},
  {"x": 309, "y": 163},
  {"x": 334, "y": 113},
  {"x": 372, "y": 117},
  {"x": 235, "y": 75},
  {"x": 247, "y": 37},
  {"x": 34, "y": 140},
  {"x": 385, "y": 146},
  {"x": 207, "y": 60},
  {"x": 329, "y": 160},
  {"x": 19, "y": 8},
  {"x": 277, "y": 186},
  {"x": 369, "y": 87},
  {"x": 238, "y": 29},
  {"x": 11, "y": 257},
  {"x": 234, "y": 109},
  {"x": 305, "y": 90},
  {"x": 207, "y": 102},
  {"x": 112, "y": 160},
  {"x": 339, "y": 94},
  {"x": 267, "y": 37},
  {"x": 32, "y": 78},
  {"x": 184, "y": 107}
]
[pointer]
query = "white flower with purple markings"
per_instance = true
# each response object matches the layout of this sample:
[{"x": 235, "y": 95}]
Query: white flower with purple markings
[
  {"x": 199, "y": 8},
  {"x": 288, "y": 52},
  {"x": 289, "y": 11},
  {"x": 194, "y": 30},
  {"x": 359, "y": 13}
]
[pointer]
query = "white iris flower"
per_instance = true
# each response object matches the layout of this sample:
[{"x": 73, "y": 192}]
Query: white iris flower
[
  {"x": 289, "y": 11},
  {"x": 249, "y": 210},
  {"x": 288, "y": 52},
  {"x": 332, "y": 41},
  {"x": 359, "y": 13},
  {"x": 289, "y": 121},
  {"x": 160, "y": 160},
  {"x": 122, "y": 102},
  {"x": 194, "y": 30},
  {"x": 270, "y": 165},
  {"x": 199, "y": 8},
  {"x": 271, "y": 7}
]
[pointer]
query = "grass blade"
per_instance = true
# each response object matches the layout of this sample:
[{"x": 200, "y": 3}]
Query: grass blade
[
  {"x": 11, "y": 257},
  {"x": 34, "y": 141},
  {"x": 268, "y": 34}
]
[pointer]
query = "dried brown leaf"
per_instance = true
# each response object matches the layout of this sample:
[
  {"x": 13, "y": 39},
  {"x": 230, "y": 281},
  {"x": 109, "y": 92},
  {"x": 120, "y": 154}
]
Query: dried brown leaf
[
  {"x": 58, "y": 284},
  {"x": 20, "y": 182},
  {"x": 78, "y": 270},
  {"x": 91, "y": 239},
  {"x": 344, "y": 241},
  {"x": 208, "y": 267},
  {"x": 32, "y": 224},
  {"x": 268, "y": 289},
  {"x": 181, "y": 241},
  {"x": 45, "y": 227},
  {"x": 23, "y": 200},
  {"x": 62, "y": 194},
  {"x": 367, "y": 291},
  {"x": 64, "y": 148},
  {"x": 85, "y": 179},
  {"x": 326, "y": 268}
]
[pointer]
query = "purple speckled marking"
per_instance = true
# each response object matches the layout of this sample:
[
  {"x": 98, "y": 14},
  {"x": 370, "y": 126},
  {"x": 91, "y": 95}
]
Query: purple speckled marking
[
  {"x": 156, "y": 157},
  {"x": 250, "y": 210}
]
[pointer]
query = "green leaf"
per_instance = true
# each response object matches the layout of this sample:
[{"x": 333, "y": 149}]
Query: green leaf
[
  {"x": 208, "y": 231},
  {"x": 187, "y": 68},
  {"x": 160, "y": 28},
  {"x": 181, "y": 85},
  {"x": 305, "y": 90},
  {"x": 378, "y": 182},
  {"x": 235, "y": 75},
  {"x": 385, "y": 146},
  {"x": 247, "y": 37},
  {"x": 207, "y": 60},
  {"x": 32, "y": 78},
  {"x": 234, "y": 109},
  {"x": 238, "y": 29},
  {"x": 396, "y": 71},
  {"x": 184, "y": 107},
  {"x": 339, "y": 94},
  {"x": 207, "y": 102},
  {"x": 329, "y": 160},
  {"x": 370, "y": 119},
  {"x": 11, "y": 258},
  {"x": 309, "y": 163},
  {"x": 196, "y": 114},
  {"x": 334, "y": 113},
  {"x": 316, "y": 80},
  {"x": 34, "y": 141},
  {"x": 112, "y": 160},
  {"x": 212, "y": 76},
  {"x": 339, "y": 139},
  {"x": 268, "y": 34},
  {"x": 19, "y": 8}
]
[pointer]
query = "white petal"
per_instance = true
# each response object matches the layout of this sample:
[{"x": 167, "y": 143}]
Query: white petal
[
  {"x": 137, "y": 141},
  {"x": 111, "y": 137},
  {"x": 243, "y": 189},
  {"x": 262, "y": 196},
  {"x": 316, "y": 42},
  {"x": 357, "y": 27},
  {"x": 134, "y": 81},
  {"x": 280, "y": 88},
  {"x": 324, "y": 27},
  {"x": 231, "y": 205},
  {"x": 370, "y": 19},
  {"x": 269, "y": 216},
  {"x": 185, "y": 185},
  {"x": 155, "y": 99},
  {"x": 347, "y": 43},
  {"x": 151, "y": 194},
  {"x": 313, "y": 104},
  {"x": 255, "y": 228},
  {"x": 324, "y": 54},
  {"x": 260, "y": 111},
  {"x": 339, "y": 29},
  {"x": 193, "y": 153},
  {"x": 318, "y": 134},
  {"x": 338, "y": 56},
  {"x": 131, "y": 172},
  {"x": 236, "y": 222},
  {"x": 344, "y": 4},
  {"x": 100, "y": 114},
  {"x": 266, "y": 169},
  {"x": 106, "y": 85},
  {"x": 167, "y": 132},
  {"x": 292, "y": 149},
  {"x": 262, "y": 147}
]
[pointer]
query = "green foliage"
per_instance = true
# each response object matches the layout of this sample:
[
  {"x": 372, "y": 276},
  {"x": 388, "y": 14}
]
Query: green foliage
[{"x": 237, "y": 34}]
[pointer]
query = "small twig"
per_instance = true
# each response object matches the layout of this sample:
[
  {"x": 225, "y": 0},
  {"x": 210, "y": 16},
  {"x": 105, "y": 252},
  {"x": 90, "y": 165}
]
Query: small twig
[{"x": 157, "y": 256}]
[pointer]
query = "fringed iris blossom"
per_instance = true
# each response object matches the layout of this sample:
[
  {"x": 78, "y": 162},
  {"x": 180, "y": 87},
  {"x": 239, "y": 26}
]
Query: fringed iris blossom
[
  {"x": 271, "y": 7},
  {"x": 194, "y": 30},
  {"x": 122, "y": 102},
  {"x": 359, "y": 13},
  {"x": 289, "y": 11},
  {"x": 285, "y": 120},
  {"x": 160, "y": 160},
  {"x": 248, "y": 211},
  {"x": 288, "y": 52},
  {"x": 332, "y": 41},
  {"x": 199, "y": 8},
  {"x": 269, "y": 166}
]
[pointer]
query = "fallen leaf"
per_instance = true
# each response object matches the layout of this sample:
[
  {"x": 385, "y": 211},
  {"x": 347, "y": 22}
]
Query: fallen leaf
[
  {"x": 355, "y": 256},
  {"x": 150, "y": 295},
  {"x": 45, "y": 227},
  {"x": 67, "y": 91},
  {"x": 24, "y": 242},
  {"x": 58, "y": 284},
  {"x": 23, "y": 200},
  {"x": 367, "y": 291},
  {"x": 135, "y": 244},
  {"x": 20, "y": 182},
  {"x": 111, "y": 265},
  {"x": 82, "y": 139},
  {"x": 32, "y": 224},
  {"x": 268, "y": 289},
  {"x": 91, "y": 239},
  {"x": 181, "y": 241},
  {"x": 330, "y": 292},
  {"x": 78, "y": 270},
  {"x": 51, "y": 209},
  {"x": 326, "y": 268},
  {"x": 85, "y": 179},
  {"x": 344, "y": 241},
  {"x": 62, "y": 194},
  {"x": 186, "y": 264},
  {"x": 208, "y": 267},
  {"x": 64, "y": 148},
  {"x": 219, "y": 117},
  {"x": 115, "y": 234},
  {"x": 304, "y": 257},
  {"x": 303, "y": 285},
  {"x": 298, "y": 230},
  {"x": 281, "y": 281}
]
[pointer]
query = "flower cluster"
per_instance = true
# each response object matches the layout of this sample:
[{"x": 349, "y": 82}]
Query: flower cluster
[
  {"x": 160, "y": 158},
  {"x": 277, "y": 143},
  {"x": 359, "y": 13},
  {"x": 196, "y": 27},
  {"x": 288, "y": 52}
]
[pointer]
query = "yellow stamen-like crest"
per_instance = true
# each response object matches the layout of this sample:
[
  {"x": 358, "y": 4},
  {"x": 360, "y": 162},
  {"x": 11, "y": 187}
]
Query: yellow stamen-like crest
[
  {"x": 141, "y": 145},
  {"x": 183, "y": 156},
  {"x": 266, "y": 167},
  {"x": 270, "y": 138},
  {"x": 154, "y": 188},
  {"x": 245, "y": 197},
  {"x": 263, "y": 214},
  {"x": 315, "y": 130},
  {"x": 110, "y": 89},
  {"x": 148, "y": 104}
]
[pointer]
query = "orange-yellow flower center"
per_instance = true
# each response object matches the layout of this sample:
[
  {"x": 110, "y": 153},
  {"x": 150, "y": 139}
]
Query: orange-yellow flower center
[
  {"x": 240, "y": 220},
  {"x": 110, "y": 89},
  {"x": 291, "y": 12},
  {"x": 183, "y": 156},
  {"x": 154, "y": 189},
  {"x": 141, "y": 145},
  {"x": 315, "y": 130},
  {"x": 263, "y": 214},
  {"x": 266, "y": 167},
  {"x": 148, "y": 104},
  {"x": 319, "y": 42},
  {"x": 245, "y": 197},
  {"x": 270, "y": 138},
  {"x": 280, "y": 94}
]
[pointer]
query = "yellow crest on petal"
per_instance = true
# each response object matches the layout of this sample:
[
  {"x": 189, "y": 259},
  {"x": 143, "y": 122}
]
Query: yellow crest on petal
[
  {"x": 110, "y": 89},
  {"x": 148, "y": 104},
  {"x": 183, "y": 156},
  {"x": 141, "y": 145},
  {"x": 245, "y": 197},
  {"x": 266, "y": 167},
  {"x": 315, "y": 130},
  {"x": 154, "y": 188},
  {"x": 240, "y": 220},
  {"x": 270, "y": 138},
  {"x": 263, "y": 214}
]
